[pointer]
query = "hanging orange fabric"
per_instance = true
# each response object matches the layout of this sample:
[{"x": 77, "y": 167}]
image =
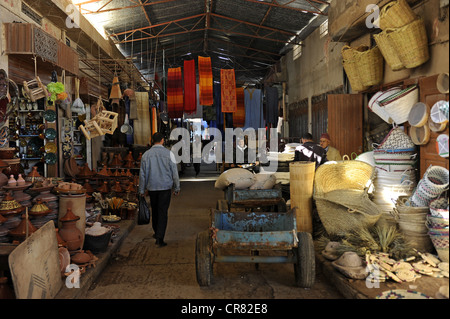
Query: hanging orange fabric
[
  {"x": 228, "y": 90},
  {"x": 239, "y": 115},
  {"x": 205, "y": 80},
  {"x": 175, "y": 103}
]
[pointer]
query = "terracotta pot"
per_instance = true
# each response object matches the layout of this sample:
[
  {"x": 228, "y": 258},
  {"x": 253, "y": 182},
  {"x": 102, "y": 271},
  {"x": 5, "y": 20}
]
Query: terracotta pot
[
  {"x": 69, "y": 231},
  {"x": 3, "y": 180},
  {"x": 7, "y": 152},
  {"x": 76, "y": 204},
  {"x": 20, "y": 232}
]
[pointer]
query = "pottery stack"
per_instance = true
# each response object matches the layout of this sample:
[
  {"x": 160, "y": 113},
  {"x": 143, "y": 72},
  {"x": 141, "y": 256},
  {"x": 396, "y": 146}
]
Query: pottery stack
[
  {"x": 437, "y": 224},
  {"x": 10, "y": 212}
]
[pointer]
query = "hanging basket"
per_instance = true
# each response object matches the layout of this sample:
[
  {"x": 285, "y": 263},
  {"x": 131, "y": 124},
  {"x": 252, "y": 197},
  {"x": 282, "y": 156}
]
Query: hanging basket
[
  {"x": 399, "y": 105},
  {"x": 388, "y": 51},
  {"x": 370, "y": 66},
  {"x": 396, "y": 14},
  {"x": 375, "y": 107},
  {"x": 411, "y": 43},
  {"x": 350, "y": 65}
]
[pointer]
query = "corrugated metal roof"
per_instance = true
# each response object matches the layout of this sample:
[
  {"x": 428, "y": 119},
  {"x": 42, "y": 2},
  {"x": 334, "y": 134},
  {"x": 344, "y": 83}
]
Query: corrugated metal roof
[{"x": 247, "y": 35}]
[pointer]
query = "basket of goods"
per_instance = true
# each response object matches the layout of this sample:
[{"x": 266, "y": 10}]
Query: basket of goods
[{"x": 420, "y": 135}]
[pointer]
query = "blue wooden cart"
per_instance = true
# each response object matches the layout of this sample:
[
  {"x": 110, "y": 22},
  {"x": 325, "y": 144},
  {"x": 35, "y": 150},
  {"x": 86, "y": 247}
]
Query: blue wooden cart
[
  {"x": 251, "y": 199},
  {"x": 231, "y": 233}
]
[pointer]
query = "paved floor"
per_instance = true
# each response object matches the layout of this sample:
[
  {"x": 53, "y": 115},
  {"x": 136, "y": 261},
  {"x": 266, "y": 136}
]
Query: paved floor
[{"x": 141, "y": 270}]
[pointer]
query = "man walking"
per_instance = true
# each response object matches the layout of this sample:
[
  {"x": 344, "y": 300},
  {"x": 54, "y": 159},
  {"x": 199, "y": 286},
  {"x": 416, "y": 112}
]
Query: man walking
[{"x": 159, "y": 175}]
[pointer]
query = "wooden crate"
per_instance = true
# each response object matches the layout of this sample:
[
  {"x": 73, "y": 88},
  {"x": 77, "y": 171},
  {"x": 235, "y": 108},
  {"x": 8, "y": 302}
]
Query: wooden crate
[
  {"x": 91, "y": 129},
  {"x": 107, "y": 121}
]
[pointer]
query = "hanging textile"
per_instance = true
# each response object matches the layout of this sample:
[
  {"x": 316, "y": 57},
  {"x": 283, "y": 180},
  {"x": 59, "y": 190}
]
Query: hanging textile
[
  {"x": 142, "y": 126},
  {"x": 190, "y": 93},
  {"x": 272, "y": 106},
  {"x": 175, "y": 103},
  {"x": 239, "y": 115},
  {"x": 228, "y": 87},
  {"x": 253, "y": 108},
  {"x": 198, "y": 112},
  {"x": 205, "y": 80}
]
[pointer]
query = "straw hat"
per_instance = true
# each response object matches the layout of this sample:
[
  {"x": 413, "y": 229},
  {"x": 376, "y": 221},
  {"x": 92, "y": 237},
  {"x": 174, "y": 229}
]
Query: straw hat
[
  {"x": 351, "y": 265},
  {"x": 330, "y": 250}
]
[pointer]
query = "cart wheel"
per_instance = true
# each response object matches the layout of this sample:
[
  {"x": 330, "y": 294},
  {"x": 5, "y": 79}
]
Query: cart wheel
[
  {"x": 203, "y": 260},
  {"x": 222, "y": 205},
  {"x": 305, "y": 266}
]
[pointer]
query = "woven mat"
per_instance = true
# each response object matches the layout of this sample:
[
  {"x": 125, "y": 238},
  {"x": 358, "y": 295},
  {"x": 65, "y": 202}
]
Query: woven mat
[{"x": 142, "y": 125}]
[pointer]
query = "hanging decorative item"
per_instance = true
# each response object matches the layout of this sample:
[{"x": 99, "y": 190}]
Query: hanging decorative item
[
  {"x": 34, "y": 89},
  {"x": 116, "y": 94},
  {"x": 55, "y": 88},
  {"x": 78, "y": 105},
  {"x": 442, "y": 145}
]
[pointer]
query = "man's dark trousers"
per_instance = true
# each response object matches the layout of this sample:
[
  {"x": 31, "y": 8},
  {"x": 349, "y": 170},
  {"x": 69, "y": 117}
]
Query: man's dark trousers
[{"x": 159, "y": 202}]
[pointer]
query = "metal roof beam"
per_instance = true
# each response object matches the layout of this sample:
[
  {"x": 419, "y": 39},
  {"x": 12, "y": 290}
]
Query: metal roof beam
[
  {"x": 283, "y": 6},
  {"x": 127, "y": 7}
]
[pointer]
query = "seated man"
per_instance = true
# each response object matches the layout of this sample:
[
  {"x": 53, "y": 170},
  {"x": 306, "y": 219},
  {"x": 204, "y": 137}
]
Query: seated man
[
  {"x": 332, "y": 153},
  {"x": 310, "y": 151}
]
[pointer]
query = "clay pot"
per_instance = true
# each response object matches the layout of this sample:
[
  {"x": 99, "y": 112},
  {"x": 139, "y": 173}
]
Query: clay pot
[
  {"x": 34, "y": 175},
  {"x": 12, "y": 181},
  {"x": 116, "y": 162},
  {"x": 88, "y": 187},
  {"x": 80, "y": 258},
  {"x": 61, "y": 242},
  {"x": 117, "y": 188},
  {"x": 104, "y": 188},
  {"x": 39, "y": 209},
  {"x": 20, "y": 180},
  {"x": 104, "y": 171},
  {"x": 9, "y": 206},
  {"x": 69, "y": 231},
  {"x": 20, "y": 232},
  {"x": 129, "y": 157},
  {"x": 85, "y": 171}
]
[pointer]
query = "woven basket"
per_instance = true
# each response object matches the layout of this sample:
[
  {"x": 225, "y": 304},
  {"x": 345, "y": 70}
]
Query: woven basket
[
  {"x": 437, "y": 222},
  {"x": 350, "y": 65},
  {"x": 434, "y": 182},
  {"x": 399, "y": 105},
  {"x": 411, "y": 43},
  {"x": 440, "y": 243},
  {"x": 421, "y": 242},
  {"x": 357, "y": 212},
  {"x": 396, "y": 139},
  {"x": 354, "y": 174},
  {"x": 370, "y": 66},
  {"x": 351, "y": 69},
  {"x": 439, "y": 208},
  {"x": 396, "y": 14},
  {"x": 413, "y": 226},
  {"x": 388, "y": 51}
]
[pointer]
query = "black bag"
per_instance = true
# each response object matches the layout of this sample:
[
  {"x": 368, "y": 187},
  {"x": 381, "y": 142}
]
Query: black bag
[{"x": 144, "y": 212}]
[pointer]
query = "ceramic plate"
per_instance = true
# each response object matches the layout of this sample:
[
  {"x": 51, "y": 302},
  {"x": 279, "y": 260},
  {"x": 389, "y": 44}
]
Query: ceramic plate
[
  {"x": 50, "y": 115},
  {"x": 50, "y": 147},
  {"x": 50, "y": 158},
  {"x": 50, "y": 133}
]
